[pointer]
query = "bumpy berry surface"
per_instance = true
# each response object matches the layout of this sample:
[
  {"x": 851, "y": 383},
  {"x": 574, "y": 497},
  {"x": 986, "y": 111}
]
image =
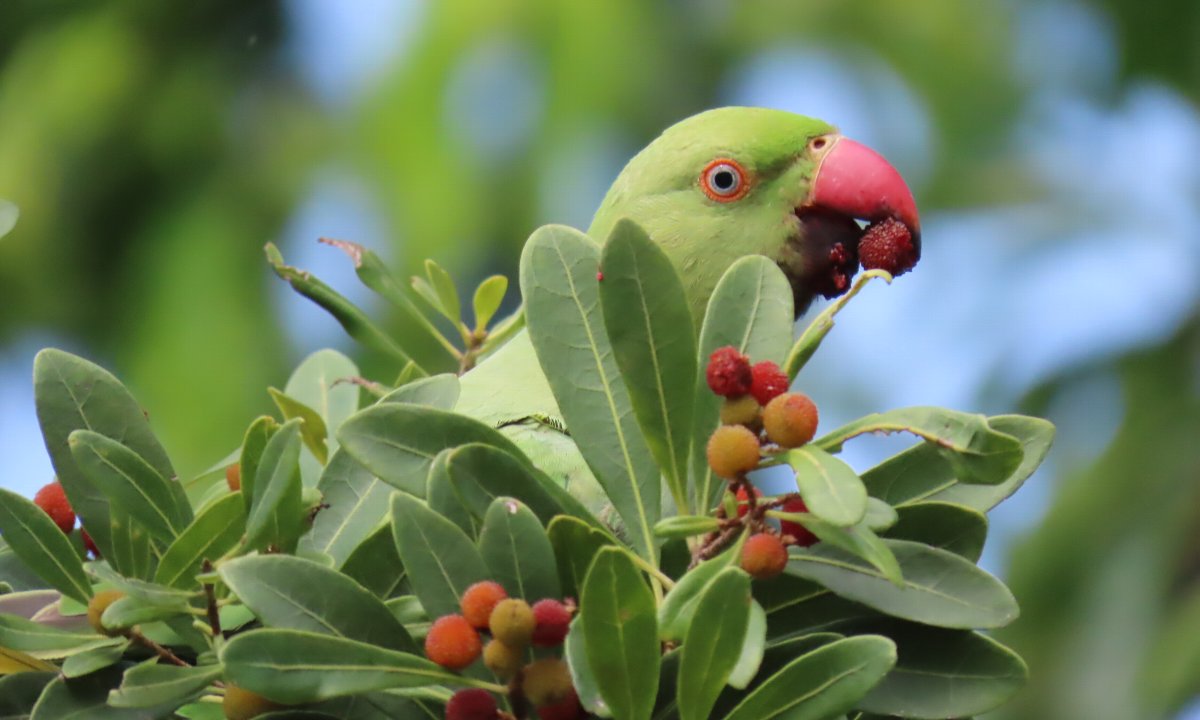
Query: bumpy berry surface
[
  {"x": 803, "y": 535},
  {"x": 502, "y": 660},
  {"x": 741, "y": 410},
  {"x": 452, "y": 642},
  {"x": 96, "y": 607},
  {"x": 888, "y": 246},
  {"x": 790, "y": 420},
  {"x": 512, "y": 623},
  {"x": 728, "y": 372},
  {"x": 732, "y": 450},
  {"x": 471, "y": 704},
  {"x": 546, "y": 682},
  {"x": 89, "y": 543},
  {"x": 743, "y": 500},
  {"x": 242, "y": 704},
  {"x": 764, "y": 556},
  {"x": 568, "y": 709},
  {"x": 53, "y": 501},
  {"x": 768, "y": 382},
  {"x": 233, "y": 476},
  {"x": 479, "y": 600},
  {"x": 552, "y": 619}
]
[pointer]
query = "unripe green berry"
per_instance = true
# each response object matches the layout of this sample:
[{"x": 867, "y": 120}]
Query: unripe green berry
[{"x": 512, "y": 623}]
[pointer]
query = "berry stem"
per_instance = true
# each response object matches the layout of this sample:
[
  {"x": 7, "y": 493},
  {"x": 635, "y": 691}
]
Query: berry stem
[
  {"x": 164, "y": 653},
  {"x": 659, "y": 575},
  {"x": 214, "y": 618}
]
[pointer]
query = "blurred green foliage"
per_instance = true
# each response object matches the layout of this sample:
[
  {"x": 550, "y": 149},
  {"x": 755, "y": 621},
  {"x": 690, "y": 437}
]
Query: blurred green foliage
[{"x": 154, "y": 148}]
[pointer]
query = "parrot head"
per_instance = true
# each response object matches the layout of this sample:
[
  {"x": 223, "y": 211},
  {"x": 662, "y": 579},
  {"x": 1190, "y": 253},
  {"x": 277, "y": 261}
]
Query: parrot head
[{"x": 740, "y": 181}]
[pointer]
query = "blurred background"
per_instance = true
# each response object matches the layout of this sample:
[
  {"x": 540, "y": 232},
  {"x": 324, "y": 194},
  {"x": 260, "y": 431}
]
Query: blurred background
[{"x": 1053, "y": 147}]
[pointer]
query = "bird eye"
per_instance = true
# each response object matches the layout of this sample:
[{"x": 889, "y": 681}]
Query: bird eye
[
  {"x": 724, "y": 180},
  {"x": 818, "y": 143}
]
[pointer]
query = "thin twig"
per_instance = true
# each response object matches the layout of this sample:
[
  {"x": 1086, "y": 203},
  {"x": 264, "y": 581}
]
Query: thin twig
[
  {"x": 164, "y": 653},
  {"x": 214, "y": 617}
]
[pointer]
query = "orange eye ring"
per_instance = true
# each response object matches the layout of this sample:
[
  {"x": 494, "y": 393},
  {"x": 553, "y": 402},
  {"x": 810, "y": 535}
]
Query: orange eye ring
[{"x": 724, "y": 180}]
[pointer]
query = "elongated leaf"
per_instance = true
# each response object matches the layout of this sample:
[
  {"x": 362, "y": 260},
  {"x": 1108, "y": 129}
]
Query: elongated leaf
[
  {"x": 575, "y": 546},
  {"x": 859, "y": 540},
  {"x": 148, "y": 592},
  {"x": 398, "y": 441},
  {"x": 132, "y": 552},
  {"x": 438, "y": 391},
  {"x": 214, "y": 532},
  {"x": 940, "y": 588},
  {"x": 653, "y": 338},
  {"x": 753, "y": 646},
  {"x": 487, "y": 299},
  {"x": 375, "y": 563},
  {"x": 293, "y": 666},
  {"x": 74, "y": 394},
  {"x": 957, "y": 528},
  {"x": 880, "y": 515},
  {"x": 94, "y": 659},
  {"x": 275, "y": 517},
  {"x": 44, "y": 641},
  {"x": 150, "y": 684},
  {"x": 129, "y": 611},
  {"x": 253, "y": 444},
  {"x": 581, "y": 673},
  {"x": 86, "y": 697},
  {"x": 831, "y": 489},
  {"x": 8, "y": 217},
  {"x": 130, "y": 481},
  {"x": 358, "y": 502},
  {"x": 517, "y": 552},
  {"x": 944, "y": 673},
  {"x": 821, "y": 683},
  {"x": 808, "y": 342},
  {"x": 620, "y": 636},
  {"x": 446, "y": 293},
  {"x": 679, "y": 606},
  {"x": 41, "y": 546},
  {"x": 319, "y": 383},
  {"x": 443, "y": 498},
  {"x": 713, "y": 642},
  {"x": 19, "y": 693},
  {"x": 14, "y": 661},
  {"x": 751, "y": 309},
  {"x": 290, "y": 592},
  {"x": 440, "y": 559},
  {"x": 312, "y": 425},
  {"x": 684, "y": 526},
  {"x": 558, "y": 282},
  {"x": 978, "y": 453}
]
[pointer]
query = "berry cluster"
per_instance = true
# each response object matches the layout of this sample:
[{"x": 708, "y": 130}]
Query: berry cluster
[
  {"x": 454, "y": 642},
  {"x": 757, "y": 410},
  {"x": 53, "y": 501}
]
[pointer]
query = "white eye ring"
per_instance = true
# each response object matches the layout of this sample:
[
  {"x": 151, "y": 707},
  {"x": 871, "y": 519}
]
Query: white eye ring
[{"x": 723, "y": 180}]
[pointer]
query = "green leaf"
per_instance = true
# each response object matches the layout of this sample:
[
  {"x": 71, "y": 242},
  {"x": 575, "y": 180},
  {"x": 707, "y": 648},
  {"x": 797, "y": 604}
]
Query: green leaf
[
  {"x": 44, "y": 641},
  {"x": 808, "y": 342},
  {"x": 685, "y": 526},
  {"x": 398, "y": 441},
  {"x": 753, "y": 646},
  {"x": 653, "y": 336},
  {"x": 255, "y": 441},
  {"x": 751, "y": 309},
  {"x": 319, "y": 383},
  {"x": 150, "y": 684},
  {"x": 488, "y": 297},
  {"x": 439, "y": 392},
  {"x": 9, "y": 213},
  {"x": 858, "y": 540},
  {"x": 440, "y": 559},
  {"x": 944, "y": 673},
  {"x": 87, "y": 697},
  {"x": 129, "y": 611},
  {"x": 822, "y": 683},
  {"x": 957, "y": 528},
  {"x": 575, "y": 546},
  {"x": 880, "y": 515},
  {"x": 312, "y": 425},
  {"x": 679, "y": 606},
  {"x": 214, "y": 532},
  {"x": 443, "y": 498},
  {"x": 154, "y": 501},
  {"x": 977, "y": 452},
  {"x": 940, "y": 588},
  {"x": 713, "y": 642},
  {"x": 293, "y": 666},
  {"x": 41, "y": 546},
  {"x": 148, "y": 592},
  {"x": 290, "y": 592},
  {"x": 443, "y": 287},
  {"x": 375, "y": 563},
  {"x": 95, "y": 659},
  {"x": 132, "y": 554},
  {"x": 558, "y": 282},
  {"x": 357, "y": 502},
  {"x": 74, "y": 394},
  {"x": 575, "y": 654},
  {"x": 19, "y": 693},
  {"x": 620, "y": 635},
  {"x": 830, "y": 488},
  {"x": 517, "y": 552},
  {"x": 276, "y": 512},
  {"x": 13, "y": 661}
]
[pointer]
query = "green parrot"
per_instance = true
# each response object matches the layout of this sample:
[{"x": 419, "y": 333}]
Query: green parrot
[{"x": 713, "y": 188}]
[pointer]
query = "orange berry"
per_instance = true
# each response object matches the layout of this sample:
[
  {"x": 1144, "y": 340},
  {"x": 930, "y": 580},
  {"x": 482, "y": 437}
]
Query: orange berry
[
  {"x": 452, "y": 642},
  {"x": 242, "y": 704},
  {"x": 472, "y": 704},
  {"x": 764, "y": 556},
  {"x": 552, "y": 620},
  {"x": 233, "y": 476},
  {"x": 512, "y": 623},
  {"x": 741, "y": 410},
  {"x": 479, "y": 600},
  {"x": 790, "y": 420},
  {"x": 502, "y": 660},
  {"x": 546, "y": 682},
  {"x": 732, "y": 450},
  {"x": 53, "y": 501},
  {"x": 96, "y": 607}
]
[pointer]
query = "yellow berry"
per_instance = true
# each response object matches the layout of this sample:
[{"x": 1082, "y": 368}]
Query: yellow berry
[
  {"x": 732, "y": 450},
  {"x": 242, "y": 704},
  {"x": 96, "y": 607},
  {"x": 502, "y": 660},
  {"x": 741, "y": 410},
  {"x": 512, "y": 623},
  {"x": 546, "y": 682}
]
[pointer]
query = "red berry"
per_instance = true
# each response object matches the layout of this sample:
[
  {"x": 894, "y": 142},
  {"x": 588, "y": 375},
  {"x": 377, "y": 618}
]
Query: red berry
[
  {"x": 803, "y": 535},
  {"x": 479, "y": 600},
  {"x": 452, "y": 642},
  {"x": 790, "y": 420},
  {"x": 53, "y": 501},
  {"x": 887, "y": 245},
  {"x": 764, "y": 556},
  {"x": 743, "y": 505},
  {"x": 567, "y": 709},
  {"x": 89, "y": 543},
  {"x": 553, "y": 620},
  {"x": 728, "y": 372},
  {"x": 472, "y": 704},
  {"x": 768, "y": 382}
]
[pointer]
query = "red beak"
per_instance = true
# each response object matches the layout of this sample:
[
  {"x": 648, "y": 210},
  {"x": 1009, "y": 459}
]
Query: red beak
[{"x": 854, "y": 180}]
